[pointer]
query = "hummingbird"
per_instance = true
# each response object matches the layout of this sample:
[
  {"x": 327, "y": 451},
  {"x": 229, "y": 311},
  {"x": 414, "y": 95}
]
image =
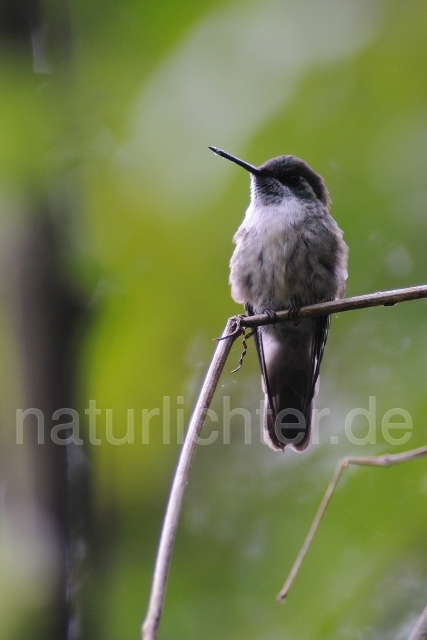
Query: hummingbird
[{"x": 289, "y": 253}]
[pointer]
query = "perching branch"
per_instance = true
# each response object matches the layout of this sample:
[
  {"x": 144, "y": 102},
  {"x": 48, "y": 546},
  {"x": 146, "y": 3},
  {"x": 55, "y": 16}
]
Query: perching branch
[
  {"x": 233, "y": 329},
  {"x": 419, "y": 632},
  {"x": 381, "y": 298}
]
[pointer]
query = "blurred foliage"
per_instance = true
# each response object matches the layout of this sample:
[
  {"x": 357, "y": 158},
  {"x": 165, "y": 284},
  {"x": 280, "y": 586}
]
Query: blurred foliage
[{"x": 124, "y": 133}]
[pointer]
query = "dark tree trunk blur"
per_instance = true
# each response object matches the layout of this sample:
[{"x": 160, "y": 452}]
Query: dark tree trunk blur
[{"x": 46, "y": 313}]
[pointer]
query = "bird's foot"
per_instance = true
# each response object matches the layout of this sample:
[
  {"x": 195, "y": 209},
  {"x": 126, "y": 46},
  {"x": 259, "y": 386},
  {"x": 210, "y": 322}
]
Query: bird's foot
[
  {"x": 294, "y": 315},
  {"x": 272, "y": 315}
]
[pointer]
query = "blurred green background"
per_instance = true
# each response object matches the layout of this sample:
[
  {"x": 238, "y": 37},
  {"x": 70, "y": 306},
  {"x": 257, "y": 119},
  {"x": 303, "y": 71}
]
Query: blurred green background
[{"x": 116, "y": 130}]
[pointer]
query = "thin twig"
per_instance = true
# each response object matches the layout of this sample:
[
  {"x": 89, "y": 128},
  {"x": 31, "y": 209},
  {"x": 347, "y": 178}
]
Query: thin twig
[
  {"x": 386, "y": 460},
  {"x": 231, "y": 332},
  {"x": 173, "y": 509},
  {"x": 246, "y": 337}
]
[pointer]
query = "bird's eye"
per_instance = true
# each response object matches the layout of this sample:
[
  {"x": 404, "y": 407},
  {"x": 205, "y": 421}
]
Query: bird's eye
[{"x": 294, "y": 181}]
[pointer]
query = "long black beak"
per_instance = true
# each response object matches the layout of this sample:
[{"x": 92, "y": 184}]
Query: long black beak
[{"x": 249, "y": 167}]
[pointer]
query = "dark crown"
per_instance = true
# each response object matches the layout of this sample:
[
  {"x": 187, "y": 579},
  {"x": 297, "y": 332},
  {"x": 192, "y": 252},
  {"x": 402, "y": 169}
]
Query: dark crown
[{"x": 289, "y": 169}]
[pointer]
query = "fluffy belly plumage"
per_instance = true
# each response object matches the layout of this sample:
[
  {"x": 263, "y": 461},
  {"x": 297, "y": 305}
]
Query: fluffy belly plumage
[{"x": 281, "y": 272}]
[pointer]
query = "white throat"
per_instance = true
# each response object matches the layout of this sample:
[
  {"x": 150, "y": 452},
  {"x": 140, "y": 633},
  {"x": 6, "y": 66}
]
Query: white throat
[{"x": 288, "y": 213}]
